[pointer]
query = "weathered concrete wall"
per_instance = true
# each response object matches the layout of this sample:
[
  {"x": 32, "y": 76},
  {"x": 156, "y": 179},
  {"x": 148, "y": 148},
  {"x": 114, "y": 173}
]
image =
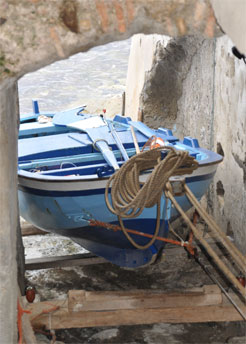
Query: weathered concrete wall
[
  {"x": 140, "y": 62},
  {"x": 230, "y": 137},
  {"x": 168, "y": 92},
  {"x": 164, "y": 82},
  {"x": 231, "y": 16},
  {"x": 197, "y": 87},
  {"x": 8, "y": 210},
  {"x": 213, "y": 107},
  {"x": 195, "y": 105}
]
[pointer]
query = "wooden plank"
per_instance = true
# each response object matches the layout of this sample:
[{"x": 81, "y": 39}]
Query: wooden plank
[
  {"x": 123, "y": 103},
  {"x": 81, "y": 259},
  {"x": 236, "y": 299},
  {"x": 199, "y": 296},
  {"x": 47, "y": 307},
  {"x": 80, "y": 300},
  {"x": 63, "y": 261},
  {"x": 194, "y": 295},
  {"x": 77, "y": 259},
  {"x": 192, "y": 314},
  {"x": 141, "y": 307},
  {"x": 28, "y": 229}
]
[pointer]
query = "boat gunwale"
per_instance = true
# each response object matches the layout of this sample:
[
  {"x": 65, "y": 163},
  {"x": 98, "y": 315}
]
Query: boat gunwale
[
  {"x": 23, "y": 180},
  {"x": 215, "y": 157}
]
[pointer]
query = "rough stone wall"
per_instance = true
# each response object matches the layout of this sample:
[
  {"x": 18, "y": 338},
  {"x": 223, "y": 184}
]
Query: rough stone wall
[
  {"x": 8, "y": 210},
  {"x": 34, "y": 33}
]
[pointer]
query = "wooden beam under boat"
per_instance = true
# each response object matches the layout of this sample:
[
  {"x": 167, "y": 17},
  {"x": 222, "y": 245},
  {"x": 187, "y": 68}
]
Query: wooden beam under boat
[
  {"x": 89, "y": 309},
  {"x": 63, "y": 261}
]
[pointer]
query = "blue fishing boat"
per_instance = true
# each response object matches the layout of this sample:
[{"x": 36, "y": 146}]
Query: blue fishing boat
[
  {"x": 63, "y": 178},
  {"x": 36, "y": 123}
]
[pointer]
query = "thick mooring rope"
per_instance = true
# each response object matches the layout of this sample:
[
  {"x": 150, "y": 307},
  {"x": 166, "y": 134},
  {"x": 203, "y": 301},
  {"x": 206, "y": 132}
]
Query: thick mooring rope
[{"x": 129, "y": 196}]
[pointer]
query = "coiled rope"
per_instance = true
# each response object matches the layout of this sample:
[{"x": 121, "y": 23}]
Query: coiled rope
[{"x": 129, "y": 196}]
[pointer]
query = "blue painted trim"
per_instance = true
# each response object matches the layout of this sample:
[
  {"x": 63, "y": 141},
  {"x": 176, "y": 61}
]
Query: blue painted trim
[{"x": 35, "y": 107}]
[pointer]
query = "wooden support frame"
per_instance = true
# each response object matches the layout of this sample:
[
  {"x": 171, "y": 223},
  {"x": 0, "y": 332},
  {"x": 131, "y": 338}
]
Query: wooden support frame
[
  {"x": 63, "y": 261},
  {"x": 28, "y": 229},
  {"x": 90, "y": 309}
]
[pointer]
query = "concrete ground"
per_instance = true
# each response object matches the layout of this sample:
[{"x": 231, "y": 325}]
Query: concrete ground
[{"x": 175, "y": 272}]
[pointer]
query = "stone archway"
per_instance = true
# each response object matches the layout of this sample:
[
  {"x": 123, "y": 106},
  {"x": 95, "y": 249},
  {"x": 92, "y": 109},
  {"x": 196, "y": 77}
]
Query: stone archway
[{"x": 35, "y": 33}]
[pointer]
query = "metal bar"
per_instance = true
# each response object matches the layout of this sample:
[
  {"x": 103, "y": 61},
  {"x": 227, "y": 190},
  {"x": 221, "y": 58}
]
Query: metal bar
[{"x": 118, "y": 141}]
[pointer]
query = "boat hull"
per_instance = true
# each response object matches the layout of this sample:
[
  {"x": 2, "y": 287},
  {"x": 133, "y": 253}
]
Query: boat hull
[{"x": 67, "y": 207}]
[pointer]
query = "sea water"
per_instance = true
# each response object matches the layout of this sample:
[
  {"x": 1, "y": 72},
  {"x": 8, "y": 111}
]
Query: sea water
[{"x": 96, "y": 78}]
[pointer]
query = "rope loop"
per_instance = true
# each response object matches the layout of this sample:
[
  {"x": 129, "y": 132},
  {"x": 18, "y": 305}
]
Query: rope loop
[{"x": 130, "y": 195}]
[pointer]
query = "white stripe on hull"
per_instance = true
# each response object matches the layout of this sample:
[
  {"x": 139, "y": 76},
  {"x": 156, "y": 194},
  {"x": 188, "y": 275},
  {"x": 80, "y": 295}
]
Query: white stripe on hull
[{"x": 77, "y": 183}]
